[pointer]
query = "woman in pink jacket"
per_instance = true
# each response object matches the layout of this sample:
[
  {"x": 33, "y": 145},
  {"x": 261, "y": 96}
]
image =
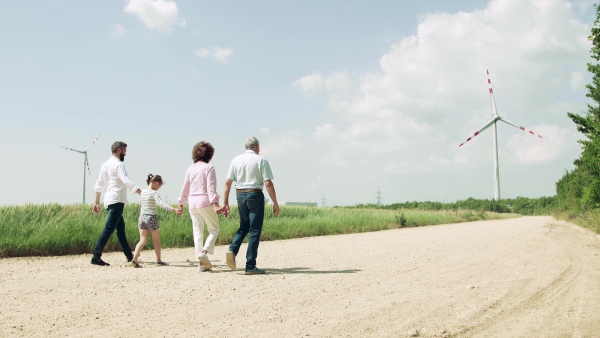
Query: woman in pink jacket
[{"x": 200, "y": 193}]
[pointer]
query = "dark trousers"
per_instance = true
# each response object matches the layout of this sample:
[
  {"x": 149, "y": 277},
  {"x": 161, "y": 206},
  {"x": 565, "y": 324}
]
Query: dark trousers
[
  {"x": 251, "y": 206},
  {"x": 114, "y": 221}
]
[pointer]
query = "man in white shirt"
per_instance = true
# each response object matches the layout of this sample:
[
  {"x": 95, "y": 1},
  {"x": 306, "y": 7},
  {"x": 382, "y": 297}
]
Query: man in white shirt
[
  {"x": 114, "y": 178},
  {"x": 250, "y": 172}
]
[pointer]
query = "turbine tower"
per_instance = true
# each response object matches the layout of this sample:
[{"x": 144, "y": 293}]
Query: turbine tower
[
  {"x": 85, "y": 162},
  {"x": 492, "y": 123}
]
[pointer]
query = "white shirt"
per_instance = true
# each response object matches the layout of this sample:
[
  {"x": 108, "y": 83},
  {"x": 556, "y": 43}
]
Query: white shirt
[
  {"x": 249, "y": 171},
  {"x": 148, "y": 200},
  {"x": 114, "y": 178}
]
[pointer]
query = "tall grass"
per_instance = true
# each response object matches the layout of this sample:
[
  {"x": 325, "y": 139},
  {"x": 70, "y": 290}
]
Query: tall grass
[
  {"x": 54, "y": 229},
  {"x": 588, "y": 219}
]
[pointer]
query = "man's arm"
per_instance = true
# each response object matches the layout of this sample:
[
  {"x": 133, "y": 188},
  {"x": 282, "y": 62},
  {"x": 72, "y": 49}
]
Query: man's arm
[
  {"x": 96, "y": 207},
  {"x": 122, "y": 174},
  {"x": 271, "y": 190},
  {"x": 98, "y": 187},
  {"x": 226, "y": 191}
]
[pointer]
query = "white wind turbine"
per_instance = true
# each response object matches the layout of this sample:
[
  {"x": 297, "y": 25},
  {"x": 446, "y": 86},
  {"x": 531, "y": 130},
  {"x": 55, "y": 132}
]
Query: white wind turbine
[
  {"x": 496, "y": 118},
  {"x": 85, "y": 162}
]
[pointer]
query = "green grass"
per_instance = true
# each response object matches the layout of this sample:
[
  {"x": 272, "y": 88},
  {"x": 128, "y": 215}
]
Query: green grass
[
  {"x": 587, "y": 219},
  {"x": 54, "y": 229}
]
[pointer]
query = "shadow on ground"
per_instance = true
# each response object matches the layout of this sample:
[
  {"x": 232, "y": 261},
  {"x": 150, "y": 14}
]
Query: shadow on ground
[
  {"x": 296, "y": 270},
  {"x": 307, "y": 271}
]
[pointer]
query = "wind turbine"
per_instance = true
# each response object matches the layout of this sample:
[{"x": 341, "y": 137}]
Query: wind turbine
[
  {"x": 496, "y": 118},
  {"x": 85, "y": 162}
]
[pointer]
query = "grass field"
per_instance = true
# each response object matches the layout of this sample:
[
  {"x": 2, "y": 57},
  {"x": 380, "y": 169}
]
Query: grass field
[
  {"x": 54, "y": 229},
  {"x": 588, "y": 219}
]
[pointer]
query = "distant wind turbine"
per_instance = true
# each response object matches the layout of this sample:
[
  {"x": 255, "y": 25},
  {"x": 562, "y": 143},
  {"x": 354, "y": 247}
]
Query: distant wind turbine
[
  {"x": 495, "y": 118},
  {"x": 85, "y": 162}
]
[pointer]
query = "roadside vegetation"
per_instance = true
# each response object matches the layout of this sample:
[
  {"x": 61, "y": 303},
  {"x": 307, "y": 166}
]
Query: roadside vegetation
[
  {"x": 54, "y": 229},
  {"x": 578, "y": 191},
  {"x": 519, "y": 205}
]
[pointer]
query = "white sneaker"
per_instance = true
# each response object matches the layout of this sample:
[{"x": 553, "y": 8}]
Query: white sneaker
[
  {"x": 202, "y": 268},
  {"x": 204, "y": 259},
  {"x": 230, "y": 257}
]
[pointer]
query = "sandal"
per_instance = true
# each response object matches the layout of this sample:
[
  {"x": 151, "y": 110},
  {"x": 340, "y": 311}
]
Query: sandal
[{"x": 134, "y": 264}]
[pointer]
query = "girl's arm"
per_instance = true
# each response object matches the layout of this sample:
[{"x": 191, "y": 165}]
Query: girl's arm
[{"x": 161, "y": 203}]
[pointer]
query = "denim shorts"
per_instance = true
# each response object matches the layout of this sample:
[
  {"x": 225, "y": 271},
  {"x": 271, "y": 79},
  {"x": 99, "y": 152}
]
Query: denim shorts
[{"x": 148, "y": 222}]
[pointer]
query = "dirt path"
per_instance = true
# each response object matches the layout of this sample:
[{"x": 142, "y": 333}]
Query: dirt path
[{"x": 525, "y": 277}]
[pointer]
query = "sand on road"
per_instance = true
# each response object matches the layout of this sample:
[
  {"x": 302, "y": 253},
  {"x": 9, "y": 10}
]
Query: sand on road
[{"x": 523, "y": 277}]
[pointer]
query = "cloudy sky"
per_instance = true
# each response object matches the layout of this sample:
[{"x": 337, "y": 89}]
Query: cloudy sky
[{"x": 346, "y": 96}]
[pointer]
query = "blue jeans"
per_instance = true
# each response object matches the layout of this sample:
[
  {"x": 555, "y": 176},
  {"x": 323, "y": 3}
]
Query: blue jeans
[
  {"x": 114, "y": 221},
  {"x": 251, "y": 206}
]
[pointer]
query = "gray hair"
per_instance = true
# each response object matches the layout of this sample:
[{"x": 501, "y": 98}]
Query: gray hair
[
  {"x": 251, "y": 143},
  {"x": 117, "y": 145}
]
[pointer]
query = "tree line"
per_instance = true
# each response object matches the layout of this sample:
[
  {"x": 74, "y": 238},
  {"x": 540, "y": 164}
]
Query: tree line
[
  {"x": 578, "y": 191},
  {"x": 519, "y": 205}
]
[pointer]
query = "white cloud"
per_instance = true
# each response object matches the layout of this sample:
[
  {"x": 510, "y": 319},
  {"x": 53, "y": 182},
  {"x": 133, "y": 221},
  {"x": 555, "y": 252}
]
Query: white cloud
[
  {"x": 117, "y": 30},
  {"x": 577, "y": 81},
  {"x": 265, "y": 131},
  {"x": 335, "y": 83},
  {"x": 316, "y": 183},
  {"x": 338, "y": 81},
  {"x": 527, "y": 149},
  {"x": 583, "y": 6},
  {"x": 431, "y": 91},
  {"x": 290, "y": 142},
  {"x": 310, "y": 84},
  {"x": 220, "y": 54},
  {"x": 395, "y": 167},
  {"x": 202, "y": 52},
  {"x": 156, "y": 14}
]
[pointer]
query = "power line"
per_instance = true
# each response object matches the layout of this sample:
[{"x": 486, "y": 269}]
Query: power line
[{"x": 378, "y": 196}]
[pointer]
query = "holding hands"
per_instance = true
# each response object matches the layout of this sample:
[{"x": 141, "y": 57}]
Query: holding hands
[
  {"x": 96, "y": 209},
  {"x": 224, "y": 210}
]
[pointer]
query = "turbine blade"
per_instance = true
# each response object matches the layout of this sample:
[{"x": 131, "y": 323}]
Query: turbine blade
[
  {"x": 520, "y": 127},
  {"x": 92, "y": 143},
  {"x": 493, "y": 101},
  {"x": 79, "y": 151},
  {"x": 486, "y": 126}
]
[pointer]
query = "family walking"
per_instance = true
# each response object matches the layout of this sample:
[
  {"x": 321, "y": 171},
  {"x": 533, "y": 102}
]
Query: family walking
[{"x": 250, "y": 171}]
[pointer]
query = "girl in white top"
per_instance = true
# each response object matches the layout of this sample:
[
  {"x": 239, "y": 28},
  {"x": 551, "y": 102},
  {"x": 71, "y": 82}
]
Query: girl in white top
[{"x": 148, "y": 221}]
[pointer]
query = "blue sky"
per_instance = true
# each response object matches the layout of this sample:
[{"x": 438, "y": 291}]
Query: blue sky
[{"x": 345, "y": 96}]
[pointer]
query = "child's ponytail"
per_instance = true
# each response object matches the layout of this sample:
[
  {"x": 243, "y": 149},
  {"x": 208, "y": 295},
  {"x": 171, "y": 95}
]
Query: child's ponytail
[{"x": 154, "y": 178}]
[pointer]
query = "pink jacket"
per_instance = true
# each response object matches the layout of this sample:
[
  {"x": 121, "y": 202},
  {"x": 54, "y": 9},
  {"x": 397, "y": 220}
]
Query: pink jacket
[{"x": 199, "y": 186}]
